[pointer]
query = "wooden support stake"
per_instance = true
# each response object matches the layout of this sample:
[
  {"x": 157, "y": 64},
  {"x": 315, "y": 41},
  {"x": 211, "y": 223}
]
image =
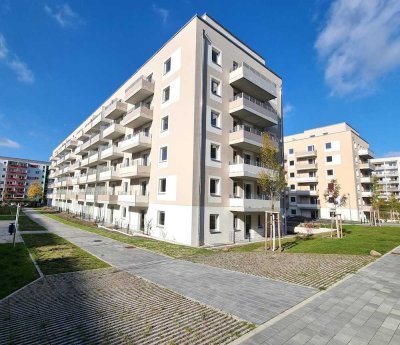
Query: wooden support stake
[{"x": 279, "y": 232}]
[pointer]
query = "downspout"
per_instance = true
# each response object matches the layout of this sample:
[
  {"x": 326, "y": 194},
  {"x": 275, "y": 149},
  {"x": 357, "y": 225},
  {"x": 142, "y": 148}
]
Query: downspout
[
  {"x": 203, "y": 124},
  {"x": 283, "y": 200}
]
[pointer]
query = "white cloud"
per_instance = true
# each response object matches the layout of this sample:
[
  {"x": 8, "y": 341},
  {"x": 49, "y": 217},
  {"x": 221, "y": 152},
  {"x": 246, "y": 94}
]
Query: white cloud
[
  {"x": 13, "y": 62},
  {"x": 9, "y": 143},
  {"x": 288, "y": 108},
  {"x": 359, "y": 44},
  {"x": 64, "y": 15},
  {"x": 162, "y": 12},
  {"x": 392, "y": 154}
]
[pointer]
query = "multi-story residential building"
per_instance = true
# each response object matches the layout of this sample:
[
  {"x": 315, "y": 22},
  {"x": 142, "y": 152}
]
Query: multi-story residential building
[
  {"x": 17, "y": 174},
  {"x": 174, "y": 151},
  {"x": 388, "y": 171},
  {"x": 316, "y": 157}
]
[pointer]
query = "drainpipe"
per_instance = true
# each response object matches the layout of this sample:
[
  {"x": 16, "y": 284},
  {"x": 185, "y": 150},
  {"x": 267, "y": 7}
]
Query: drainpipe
[
  {"x": 203, "y": 124},
  {"x": 283, "y": 200}
]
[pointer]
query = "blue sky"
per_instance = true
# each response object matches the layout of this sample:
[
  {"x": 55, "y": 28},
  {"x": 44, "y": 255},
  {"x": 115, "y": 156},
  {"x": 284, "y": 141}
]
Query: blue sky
[{"x": 59, "y": 60}]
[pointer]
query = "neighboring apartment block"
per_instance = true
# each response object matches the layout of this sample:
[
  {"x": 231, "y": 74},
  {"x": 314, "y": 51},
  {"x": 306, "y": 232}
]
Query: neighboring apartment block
[
  {"x": 174, "y": 152},
  {"x": 17, "y": 174},
  {"x": 315, "y": 157},
  {"x": 388, "y": 171}
]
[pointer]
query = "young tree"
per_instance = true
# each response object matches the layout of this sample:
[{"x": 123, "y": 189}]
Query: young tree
[
  {"x": 272, "y": 180},
  {"x": 393, "y": 206},
  {"x": 332, "y": 196},
  {"x": 376, "y": 201},
  {"x": 35, "y": 191}
]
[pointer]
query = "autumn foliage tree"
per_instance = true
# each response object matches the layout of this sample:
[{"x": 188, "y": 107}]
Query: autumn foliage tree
[{"x": 35, "y": 191}]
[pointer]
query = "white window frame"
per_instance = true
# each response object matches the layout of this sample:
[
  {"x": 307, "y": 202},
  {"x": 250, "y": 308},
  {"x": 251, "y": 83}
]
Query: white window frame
[
  {"x": 328, "y": 148},
  {"x": 162, "y": 181},
  {"x": 161, "y": 154},
  {"x": 165, "y": 64},
  {"x": 216, "y": 222},
  {"x": 164, "y": 92},
  {"x": 218, "y": 119},
  {"x": 163, "y": 122},
  {"x": 219, "y": 56},
  {"x": 217, "y": 186},
  {"x": 219, "y": 87},
  {"x": 333, "y": 173},
  {"x": 218, "y": 152},
  {"x": 159, "y": 223}
]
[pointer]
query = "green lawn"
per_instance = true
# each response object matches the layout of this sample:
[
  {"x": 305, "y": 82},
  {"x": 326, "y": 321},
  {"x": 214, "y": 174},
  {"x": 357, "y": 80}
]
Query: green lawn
[
  {"x": 7, "y": 217},
  {"x": 170, "y": 249},
  {"x": 8, "y": 210},
  {"x": 27, "y": 224},
  {"x": 358, "y": 240},
  {"x": 16, "y": 268},
  {"x": 54, "y": 254}
]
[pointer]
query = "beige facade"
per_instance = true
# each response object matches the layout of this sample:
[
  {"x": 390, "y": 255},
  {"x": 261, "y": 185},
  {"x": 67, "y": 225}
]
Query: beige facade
[
  {"x": 315, "y": 157},
  {"x": 388, "y": 172},
  {"x": 173, "y": 153}
]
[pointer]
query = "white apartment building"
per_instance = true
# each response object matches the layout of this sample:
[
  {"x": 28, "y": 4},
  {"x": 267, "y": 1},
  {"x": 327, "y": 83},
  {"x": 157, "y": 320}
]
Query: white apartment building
[
  {"x": 388, "y": 171},
  {"x": 17, "y": 174},
  {"x": 315, "y": 157},
  {"x": 174, "y": 152}
]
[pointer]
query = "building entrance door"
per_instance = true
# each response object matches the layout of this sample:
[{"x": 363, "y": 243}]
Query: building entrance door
[{"x": 247, "y": 225}]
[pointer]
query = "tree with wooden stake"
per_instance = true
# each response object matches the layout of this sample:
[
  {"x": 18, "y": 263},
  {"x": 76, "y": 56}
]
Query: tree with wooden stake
[
  {"x": 35, "y": 191},
  {"x": 376, "y": 201},
  {"x": 332, "y": 196},
  {"x": 272, "y": 181},
  {"x": 393, "y": 204}
]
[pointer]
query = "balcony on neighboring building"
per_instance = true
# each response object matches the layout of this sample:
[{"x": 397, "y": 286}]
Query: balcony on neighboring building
[
  {"x": 366, "y": 166},
  {"x": 247, "y": 169},
  {"x": 82, "y": 179},
  {"x": 115, "y": 109},
  {"x": 245, "y": 138},
  {"x": 111, "y": 152},
  {"x": 253, "y": 203},
  {"x": 366, "y": 153},
  {"x": 133, "y": 199},
  {"x": 366, "y": 194},
  {"x": 113, "y": 131},
  {"x": 138, "y": 116},
  {"x": 139, "y": 90},
  {"x": 308, "y": 206},
  {"x": 108, "y": 174},
  {"x": 306, "y": 154},
  {"x": 105, "y": 195},
  {"x": 136, "y": 142},
  {"x": 134, "y": 169},
  {"x": 70, "y": 156},
  {"x": 98, "y": 121},
  {"x": 94, "y": 159},
  {"x": 96, "y": 140},
  {"x": 91, "y": 176},
  {"x": 71, "y": 144},
  {"x": 81, "y": 195},
  {"x": 306, "y": 166},
  {"x": 366, "y": 179},
  {"x": 304, "y": 192},
  {"x": 249, "y": 80},
  {"x": 307, "y": 179},
  {"x": 251, "y": 110}
]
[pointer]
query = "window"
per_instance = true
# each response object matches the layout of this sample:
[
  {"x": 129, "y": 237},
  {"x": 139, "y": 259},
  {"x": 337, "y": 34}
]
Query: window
[
  {"x": 310, "y": 148},
  {"x": 164, "y": 124},
  {"x": 293, "y": 211},
  {"x": 214, "y": 222},
  {"x": 215, "y": 119},
  {"x": 328, "y": 146},
  {"x": 292, "y": 174},
  {"x": 292, "y": 187},
  {"x": 167, "y": 66},
  {"x": 215, "y": 87},
  {"x": 161, "y": 218},
  {"x": 214, "y": 152},
  {"x": 166, "y": 94},
  {"x": 329, "y": 172},
  {"x": 292, "y": 199},
  {"x": 291, "y": 151},
  {"x": 216, "y": 56},
  {"x": 162, "y": 185},
  {"x": 124, "y": 212},
  {"x": 291, "y": 163},
  {"x": 235, "y": 222},
  {"x": 164, "y": 154},
  {"x": 214, "y": 186},
  {"x": 329, "y": 159},
  {"x": 259, "y": 221}
]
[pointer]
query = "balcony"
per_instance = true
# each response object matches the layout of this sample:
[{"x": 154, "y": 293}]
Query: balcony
[
  {"x": 135, "y": 143},
  {"x": 306, "y": 166},
  {"x": 306, "y": 154},
  {"x": 109, "y": 175},
  {"x": 366, "y": 179},
  {"x": 366, "y": 194},
  {"x": 304, "y": 192},
  {"x": 249, "y": 80},
  {"x": 96, "y": 140},
  {"x": 366, "y": 166},
  {"x": 308, "y": 206},
  {"x": 115, "y": 109},
  {"x": 110, "y": 153},
  {"x": 81, "y": 195},
  {"x": 75, "y": 180},
  {"x": 71, "y": 144},
  {"x": 91, "y": 177},
  {"x": 139, "y": 90},
  {"x": 84, "y": 162},
  {"x": 134, "y": 170},
  {"x": 107, "y": 196},
  {"x": 252, "y": 110},
  {"x": 113, "y": 131},
  {"x": 81, "y": 135},
  {"x": 249, "y": 170},
  {"x": 138, "y": 117},
  {"x": 366, "y": 153},
  {"x": 245, "y": 138},
  {"x": 253, "y": 204},
  {"x": 134, "y": 200},
  {"x": 308, "y": 179},
  {"x": 94, "y": 159},
  {"x": 82, "y": 179},
  {"x": 91, "y": 196},
  {"x": 70, "y": 157},
  {"x": 85, "y": 146},
  {"x": 98, "y": 121}
]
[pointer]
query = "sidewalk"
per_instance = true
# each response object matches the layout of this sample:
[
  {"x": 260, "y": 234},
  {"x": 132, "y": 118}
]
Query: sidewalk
[{"x": 251, "y": 298}]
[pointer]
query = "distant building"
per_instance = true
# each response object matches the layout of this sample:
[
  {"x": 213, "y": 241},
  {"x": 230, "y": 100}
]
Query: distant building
[
  {"x": 388, "y": 171},
  {"x": 17, "y": 174},
  {"x": 315, "y": 157}
]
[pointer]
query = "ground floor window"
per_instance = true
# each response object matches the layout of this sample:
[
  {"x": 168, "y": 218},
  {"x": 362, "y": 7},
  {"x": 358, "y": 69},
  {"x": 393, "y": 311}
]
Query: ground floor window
[
  {"x": 161, "y": 218},
  {"x": 214, "y": 222}
]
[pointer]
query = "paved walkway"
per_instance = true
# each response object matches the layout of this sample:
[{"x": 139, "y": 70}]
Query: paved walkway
[
  {"x": 5, "y": 237},
  {"x": 254, "y": 299},
  {"x": 363, "y": 309}
]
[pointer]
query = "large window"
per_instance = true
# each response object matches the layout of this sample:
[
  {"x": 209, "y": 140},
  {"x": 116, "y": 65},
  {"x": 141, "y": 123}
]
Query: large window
[
  {"x": 163, "y": 154},
  {"x": 161, "y": 218},
  {"x": 162, "y": 185},
  {"x": 214, "y": 222},
  {"x": 166, "y": 94},
  {"x": 214, "y": 186},
  {"x": 215, "y": 152}
]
